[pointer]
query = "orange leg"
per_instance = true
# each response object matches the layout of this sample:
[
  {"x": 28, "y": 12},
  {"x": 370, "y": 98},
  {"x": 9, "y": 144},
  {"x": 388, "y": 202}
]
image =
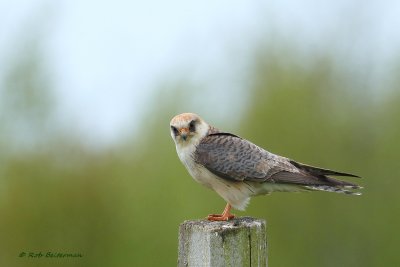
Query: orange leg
[{"x": 225, "y": 216}]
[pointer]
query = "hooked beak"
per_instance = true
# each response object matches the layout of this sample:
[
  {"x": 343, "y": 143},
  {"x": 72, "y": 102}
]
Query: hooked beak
[{"x": 183, "y": 132}]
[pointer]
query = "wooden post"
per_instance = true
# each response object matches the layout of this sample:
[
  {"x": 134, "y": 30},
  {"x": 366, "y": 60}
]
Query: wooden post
[{"x": 238, "y": 242}]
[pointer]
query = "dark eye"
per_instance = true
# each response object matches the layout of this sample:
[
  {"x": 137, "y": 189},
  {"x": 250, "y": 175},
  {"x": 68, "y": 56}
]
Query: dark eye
[
  {"x": 174, "y": 130},
  {"x": 192, "y": 126}
]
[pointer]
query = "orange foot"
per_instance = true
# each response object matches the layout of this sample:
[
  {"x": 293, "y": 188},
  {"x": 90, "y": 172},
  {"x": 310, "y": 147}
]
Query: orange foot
[{"x": 225, "y": 216}]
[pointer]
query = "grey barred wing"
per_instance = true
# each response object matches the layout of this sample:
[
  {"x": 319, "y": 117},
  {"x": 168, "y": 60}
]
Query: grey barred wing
[
  {"x": 233, "y": 158},
  {"x": 236, "y": 159}
]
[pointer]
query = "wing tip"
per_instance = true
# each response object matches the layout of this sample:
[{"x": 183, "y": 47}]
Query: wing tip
[
  {"x": 347, "y": 174},
  {"x": 321, "y": 171}
]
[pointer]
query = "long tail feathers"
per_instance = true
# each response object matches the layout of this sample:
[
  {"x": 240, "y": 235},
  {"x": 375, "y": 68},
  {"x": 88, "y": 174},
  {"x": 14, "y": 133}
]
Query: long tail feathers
[
  {"x": 341, "y": 190},
  {"x": 329, "y": 184}
]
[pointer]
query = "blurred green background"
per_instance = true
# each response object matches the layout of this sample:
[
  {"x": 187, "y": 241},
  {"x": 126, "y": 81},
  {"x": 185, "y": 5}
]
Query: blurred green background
[{"x": 121, "y": 205}]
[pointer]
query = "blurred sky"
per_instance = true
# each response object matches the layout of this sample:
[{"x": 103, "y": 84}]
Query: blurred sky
[{"x": 106, "y": 58}]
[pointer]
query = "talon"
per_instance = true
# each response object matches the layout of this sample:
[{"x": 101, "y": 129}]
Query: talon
[
  {"x": 220, "y": 217},
  {"x": 225, "y": 216}
]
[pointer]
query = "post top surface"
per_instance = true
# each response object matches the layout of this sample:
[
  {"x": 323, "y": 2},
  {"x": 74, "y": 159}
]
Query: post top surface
[{"x": 218, "y": 225}]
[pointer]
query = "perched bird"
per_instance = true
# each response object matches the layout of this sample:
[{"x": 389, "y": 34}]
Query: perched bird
[{"x": 237, "y": 169}]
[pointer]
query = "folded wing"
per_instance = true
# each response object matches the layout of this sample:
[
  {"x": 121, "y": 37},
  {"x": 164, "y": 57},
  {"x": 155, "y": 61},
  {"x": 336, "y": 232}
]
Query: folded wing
[{"x": 233, "y": 158}]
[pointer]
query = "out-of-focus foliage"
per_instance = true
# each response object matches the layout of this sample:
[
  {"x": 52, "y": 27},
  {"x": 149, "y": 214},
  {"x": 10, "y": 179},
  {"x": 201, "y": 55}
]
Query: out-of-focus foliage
[
  {"x": 26, "y": 100},
  {"x": 122, "y": 206}
]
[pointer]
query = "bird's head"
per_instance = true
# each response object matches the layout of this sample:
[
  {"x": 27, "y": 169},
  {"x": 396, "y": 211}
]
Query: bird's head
[{"x": 188, "y": 128}]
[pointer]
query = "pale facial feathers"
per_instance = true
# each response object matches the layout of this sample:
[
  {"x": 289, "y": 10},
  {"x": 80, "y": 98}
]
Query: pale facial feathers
[{"x": 188, "y": 129}]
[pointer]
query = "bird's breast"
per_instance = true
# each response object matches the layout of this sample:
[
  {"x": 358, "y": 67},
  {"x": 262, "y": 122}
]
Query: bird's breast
[
  {"x": 197, "y": 171},
  {"x": 235, "y": 193}
]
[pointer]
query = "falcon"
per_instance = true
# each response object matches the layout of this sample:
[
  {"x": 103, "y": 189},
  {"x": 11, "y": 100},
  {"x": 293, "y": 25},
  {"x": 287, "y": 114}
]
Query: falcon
[{"x": 237, "y": 169}]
